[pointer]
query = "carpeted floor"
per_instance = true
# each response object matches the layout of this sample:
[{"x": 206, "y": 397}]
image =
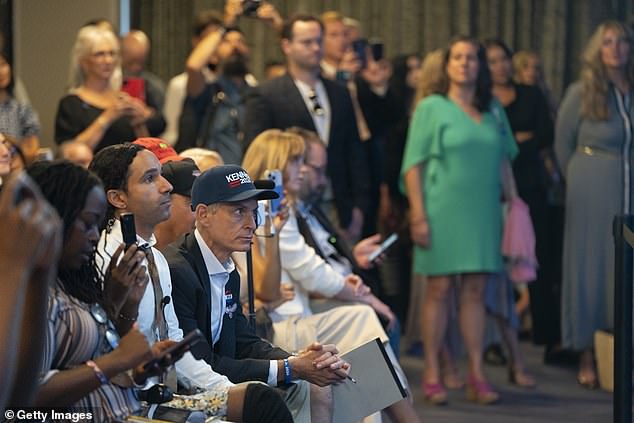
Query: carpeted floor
[{"x": 557, "y": 398}]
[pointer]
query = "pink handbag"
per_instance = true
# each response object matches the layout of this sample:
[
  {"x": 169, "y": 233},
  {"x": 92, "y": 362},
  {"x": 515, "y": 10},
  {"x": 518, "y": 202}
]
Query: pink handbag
[{"x": 518, "y": 242}]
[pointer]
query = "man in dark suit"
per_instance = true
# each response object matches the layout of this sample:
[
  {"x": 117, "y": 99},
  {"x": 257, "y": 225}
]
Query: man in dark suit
[
  {"x": 206, "y": 292},
  {"x": 303, "y": 98}
]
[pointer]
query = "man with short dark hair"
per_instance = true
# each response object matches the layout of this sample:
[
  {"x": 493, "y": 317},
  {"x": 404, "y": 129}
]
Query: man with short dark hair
[
  {"x": 133, "y": 183},
  {"x": 303, "y": 98},
  {"x": 207, "y": 292},
  {"x": 180, "y": 172}
]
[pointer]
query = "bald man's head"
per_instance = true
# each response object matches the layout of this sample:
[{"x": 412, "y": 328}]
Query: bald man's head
[
  {"x": 135, "y": 48},
  {"x": 76, "y": 152}
]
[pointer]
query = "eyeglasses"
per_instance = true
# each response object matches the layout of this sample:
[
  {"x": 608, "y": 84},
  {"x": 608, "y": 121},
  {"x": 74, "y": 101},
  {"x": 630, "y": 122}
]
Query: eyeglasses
[
  {"x": 317, "y": 109},
  {"x": 99, "y": 314},
  {"x": 320, "y": 170}
]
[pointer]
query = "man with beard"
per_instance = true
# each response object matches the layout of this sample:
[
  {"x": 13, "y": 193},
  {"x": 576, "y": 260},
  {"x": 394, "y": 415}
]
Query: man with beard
[{"x": 213, "y": 111}]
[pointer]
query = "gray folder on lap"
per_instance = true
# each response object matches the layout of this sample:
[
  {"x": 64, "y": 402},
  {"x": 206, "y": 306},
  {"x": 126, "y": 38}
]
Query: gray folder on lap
[{"x": 377, "y": 384}]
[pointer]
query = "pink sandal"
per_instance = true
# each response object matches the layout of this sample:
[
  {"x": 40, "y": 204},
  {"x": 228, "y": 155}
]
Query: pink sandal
[
  {"x": 434, "y": 393},
  {"x": 481, "y": 392}
]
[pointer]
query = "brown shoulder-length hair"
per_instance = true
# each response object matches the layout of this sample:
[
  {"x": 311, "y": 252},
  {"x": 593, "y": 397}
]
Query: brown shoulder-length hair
[
  {"x": 440, "y": 85},
  {"x": 594, "y": 78}
]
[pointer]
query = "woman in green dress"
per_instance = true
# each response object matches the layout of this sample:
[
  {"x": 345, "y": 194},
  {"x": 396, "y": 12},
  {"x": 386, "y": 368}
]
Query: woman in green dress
[{"x": 458, "y": 152}]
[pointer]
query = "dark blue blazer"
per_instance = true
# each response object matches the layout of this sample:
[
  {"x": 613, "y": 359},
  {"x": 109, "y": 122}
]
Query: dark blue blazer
[
  {"x": 279, "y": 104},
  {"x": 239, "y": 354}
]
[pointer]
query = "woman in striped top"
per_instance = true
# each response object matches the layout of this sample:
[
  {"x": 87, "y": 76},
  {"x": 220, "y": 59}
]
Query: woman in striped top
[{"x": 86, "y": 367}]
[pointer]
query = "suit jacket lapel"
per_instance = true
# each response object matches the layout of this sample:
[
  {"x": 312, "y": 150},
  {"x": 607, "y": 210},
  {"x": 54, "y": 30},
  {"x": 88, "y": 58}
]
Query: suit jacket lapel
[
  {"x": 191, "y": 246},
  {"x": 334, "y": 105},
  {"x": 339, "y": 243},
  {"x": 296, "y": 103},
  {"x": 226, "y": 344},
  {"x": 308, "y": 235}
]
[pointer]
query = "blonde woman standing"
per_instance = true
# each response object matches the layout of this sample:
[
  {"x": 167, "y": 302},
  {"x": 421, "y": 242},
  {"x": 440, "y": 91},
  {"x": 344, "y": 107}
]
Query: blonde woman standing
[{"x": 593, "y": 142}]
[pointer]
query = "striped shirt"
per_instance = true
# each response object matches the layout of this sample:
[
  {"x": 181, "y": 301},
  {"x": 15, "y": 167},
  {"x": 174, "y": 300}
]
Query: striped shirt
[{"x": 73, "y": 337}]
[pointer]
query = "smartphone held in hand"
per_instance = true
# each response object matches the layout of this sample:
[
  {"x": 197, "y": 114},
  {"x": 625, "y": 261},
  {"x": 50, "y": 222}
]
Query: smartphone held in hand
[
  {"x": 128, "y": 230},
  {"x": 275, "y": 175},
  {"x": 376, "y": 47},
  {"x": 176, "y": 350},
  {"x": 359, "y": 46},
  {"x": 250, "y": 7},
  {"x": 134, "y": 86},
  {"x": 389, "y": 241}
]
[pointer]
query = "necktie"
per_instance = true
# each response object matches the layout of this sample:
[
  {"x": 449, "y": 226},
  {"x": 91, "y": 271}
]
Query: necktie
[{"x": 159, "y": 322}]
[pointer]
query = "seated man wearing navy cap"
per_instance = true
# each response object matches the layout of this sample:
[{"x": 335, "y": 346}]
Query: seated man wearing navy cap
[
  {"x": 206, "y": 292},
  {"x": 181, "y": 174}
]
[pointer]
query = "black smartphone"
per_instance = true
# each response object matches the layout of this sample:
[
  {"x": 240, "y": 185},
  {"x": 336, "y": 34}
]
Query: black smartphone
[
  {"x": 376, "y": 47},
  {"x": 250, "y": 7},
  {"x": 359, "y": 46},
  {"x": 191, "y": 339},
  {"x": 128, "y": 230}
]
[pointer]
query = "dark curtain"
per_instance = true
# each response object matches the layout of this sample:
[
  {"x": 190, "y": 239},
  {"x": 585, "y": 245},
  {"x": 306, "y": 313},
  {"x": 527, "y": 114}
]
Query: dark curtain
[{"x": 557, "y": 29}]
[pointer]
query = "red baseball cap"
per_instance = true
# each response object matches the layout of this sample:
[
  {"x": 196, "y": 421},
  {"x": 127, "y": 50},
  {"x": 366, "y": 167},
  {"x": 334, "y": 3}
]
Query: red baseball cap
[{"x": 160, "y": 148}]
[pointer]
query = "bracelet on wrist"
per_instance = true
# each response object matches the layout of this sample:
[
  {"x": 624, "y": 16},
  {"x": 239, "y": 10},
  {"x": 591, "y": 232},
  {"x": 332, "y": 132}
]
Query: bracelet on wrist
[
  {"x": 287, "y": 372},
  {"x": 98, "y": 373}
]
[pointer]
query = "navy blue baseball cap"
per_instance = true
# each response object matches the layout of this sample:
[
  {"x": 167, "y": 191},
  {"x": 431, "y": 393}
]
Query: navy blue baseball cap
[{"x": 227, "y": 184}]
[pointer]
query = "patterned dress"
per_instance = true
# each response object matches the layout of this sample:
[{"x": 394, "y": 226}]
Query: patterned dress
[{"x": 18, "y": 119}]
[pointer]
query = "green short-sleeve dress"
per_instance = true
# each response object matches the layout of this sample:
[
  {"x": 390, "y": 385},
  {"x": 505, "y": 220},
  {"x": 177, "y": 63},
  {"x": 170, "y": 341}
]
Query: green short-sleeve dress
[{"x": 461, "y": 183}]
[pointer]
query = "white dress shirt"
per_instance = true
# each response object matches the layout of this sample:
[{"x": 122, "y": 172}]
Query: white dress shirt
[
  {"x": 173, "y": 107},
  {"x": 322, "y": 122},
  {"x": 218, "y": 278},
  {"x": 321, "y": 236},
  {"x": 189, "y": 370},
  {"x": 306, "y": 270}
]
